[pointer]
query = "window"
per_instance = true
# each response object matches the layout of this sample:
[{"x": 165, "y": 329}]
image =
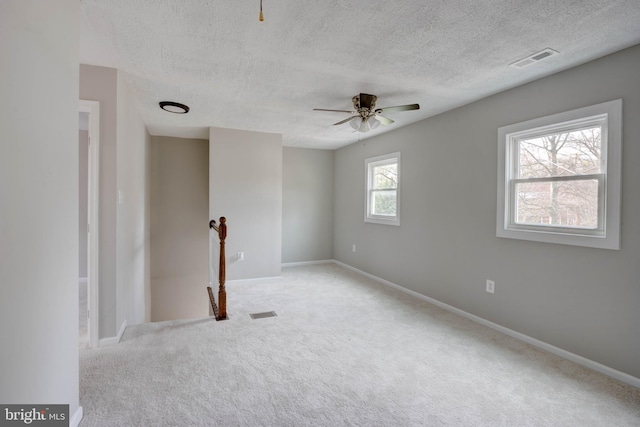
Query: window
[
  {"x": 559, "y": 178},
  {"x": 383, "y": 189}
]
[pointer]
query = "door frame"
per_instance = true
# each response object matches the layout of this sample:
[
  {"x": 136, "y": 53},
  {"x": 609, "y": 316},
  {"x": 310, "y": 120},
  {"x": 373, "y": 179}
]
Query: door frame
[{"x": 93, "y": 238}]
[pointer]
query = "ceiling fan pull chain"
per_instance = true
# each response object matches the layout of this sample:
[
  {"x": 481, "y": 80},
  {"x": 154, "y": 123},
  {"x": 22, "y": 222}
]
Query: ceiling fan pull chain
[{"x": 261, "y": 15}]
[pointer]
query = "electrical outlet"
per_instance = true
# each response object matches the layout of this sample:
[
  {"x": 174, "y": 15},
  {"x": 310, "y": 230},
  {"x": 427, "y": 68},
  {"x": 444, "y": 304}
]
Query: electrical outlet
[
  {"x": 491, "y": 286},
  {"x": 353, "y": 248}
]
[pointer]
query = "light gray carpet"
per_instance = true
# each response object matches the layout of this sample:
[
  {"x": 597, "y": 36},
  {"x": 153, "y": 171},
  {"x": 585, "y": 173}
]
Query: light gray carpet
[{"x": 342, "y": 351}]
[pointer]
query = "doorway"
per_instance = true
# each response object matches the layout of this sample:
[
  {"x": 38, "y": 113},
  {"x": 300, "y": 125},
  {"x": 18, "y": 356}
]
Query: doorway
[{"x": 88, "y": 194}]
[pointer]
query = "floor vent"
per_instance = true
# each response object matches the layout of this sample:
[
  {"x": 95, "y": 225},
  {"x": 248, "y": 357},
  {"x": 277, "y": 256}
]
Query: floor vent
[
  {"x": 536, "y": 57},
  {"x": 263, "y": 315}
]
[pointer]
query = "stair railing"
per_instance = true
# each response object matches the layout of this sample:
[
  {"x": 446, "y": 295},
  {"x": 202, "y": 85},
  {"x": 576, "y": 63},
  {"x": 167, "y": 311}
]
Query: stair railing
[{"x": 220, "y": 310}]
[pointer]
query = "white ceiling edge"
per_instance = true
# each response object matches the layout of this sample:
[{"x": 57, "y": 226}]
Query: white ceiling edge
[{"x": 179, "y": 132}]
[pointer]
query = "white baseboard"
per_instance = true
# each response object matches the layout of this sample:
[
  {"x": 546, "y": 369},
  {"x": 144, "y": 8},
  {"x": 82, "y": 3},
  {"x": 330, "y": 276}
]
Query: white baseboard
[
  {"x": 298, "y": 264},
  {"x": 76, "y": 417},
  {"x": 105, "y": 342},
  {"x": 121, "y": 331},
  {"x": 613, "y": 373}
]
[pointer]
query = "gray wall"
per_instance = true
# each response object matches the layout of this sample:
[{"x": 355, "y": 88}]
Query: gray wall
[
  {"x": 100, "y": 84},
  {"x": 133, "y": 217},
  {"x": 124, "y": 288},
  {"x": 179, "y": 209},
  {"x": 179, "y": 228},
  {"x": 245, "y": 184},
  {"x": 39, "y": 197},
  {"x": 579, "y": 299},
  {"x": 307, "y": 204},
  {"x": 83, "y": 177}
]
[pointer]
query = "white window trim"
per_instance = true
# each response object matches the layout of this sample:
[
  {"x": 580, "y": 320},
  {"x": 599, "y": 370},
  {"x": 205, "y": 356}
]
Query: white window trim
[
  {"x": 608, "y": 237},
  {"x": 381, "y": 219}
]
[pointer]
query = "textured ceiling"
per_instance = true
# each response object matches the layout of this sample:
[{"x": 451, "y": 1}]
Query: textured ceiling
[{"x": 236, "y": 72}]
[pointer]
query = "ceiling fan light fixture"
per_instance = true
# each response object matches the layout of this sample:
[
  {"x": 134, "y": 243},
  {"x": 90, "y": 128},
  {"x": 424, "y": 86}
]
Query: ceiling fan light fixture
[
  {"x": 355, "y": 123},
  {"x": 364, "y": 124},
  {"x": 174, "y": 107}
]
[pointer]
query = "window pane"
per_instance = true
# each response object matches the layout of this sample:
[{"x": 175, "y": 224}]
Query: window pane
[
  {"x": 576, "y": 152},
  {"x": 385, "y": 176},
  {"x": 564, "y": 203},
  {"x": 384, "y": 203}
]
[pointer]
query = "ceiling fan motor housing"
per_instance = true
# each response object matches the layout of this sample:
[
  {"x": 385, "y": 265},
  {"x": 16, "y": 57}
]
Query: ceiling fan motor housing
[{"x": 364, "y": 104}]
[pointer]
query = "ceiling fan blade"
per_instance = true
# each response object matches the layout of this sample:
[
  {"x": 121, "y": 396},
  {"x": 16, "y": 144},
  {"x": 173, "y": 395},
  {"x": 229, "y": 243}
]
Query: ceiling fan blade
[
  {"x": 345, "y": 120},
  {"x": 398, "y": 108},
  {"x": 384, "y": 120},
  {"x": 333, "y": 111}
]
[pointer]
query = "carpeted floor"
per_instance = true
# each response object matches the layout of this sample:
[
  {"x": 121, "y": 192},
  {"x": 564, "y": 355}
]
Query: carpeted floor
[{"x": 342, "y": 351}]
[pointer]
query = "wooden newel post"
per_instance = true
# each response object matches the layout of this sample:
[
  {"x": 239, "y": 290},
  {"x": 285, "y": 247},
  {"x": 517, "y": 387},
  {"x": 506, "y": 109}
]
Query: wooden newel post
[
  {"x": 220, "y": 309},
  {"x": 222, "y": 292}
]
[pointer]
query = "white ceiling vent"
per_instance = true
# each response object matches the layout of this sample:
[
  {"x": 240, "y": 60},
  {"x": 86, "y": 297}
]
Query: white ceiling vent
[{"x": 536, "y": 57}]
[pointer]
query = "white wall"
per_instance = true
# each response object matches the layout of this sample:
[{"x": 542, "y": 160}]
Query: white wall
[
  {"x": 179, "y": 228},
  {"x": 133, "y": 217},
  {"x": 307, "y": 205},
  {"x": 582, "y": 300},
  {"x": 39, "y": 196},
  {"x": 245, "y": 186},
  {"x": 101, "y": 84}
]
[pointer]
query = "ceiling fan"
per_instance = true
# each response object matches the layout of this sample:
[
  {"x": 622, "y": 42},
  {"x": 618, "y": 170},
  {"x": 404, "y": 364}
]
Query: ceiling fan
[{"x": 365, "y": 115}]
